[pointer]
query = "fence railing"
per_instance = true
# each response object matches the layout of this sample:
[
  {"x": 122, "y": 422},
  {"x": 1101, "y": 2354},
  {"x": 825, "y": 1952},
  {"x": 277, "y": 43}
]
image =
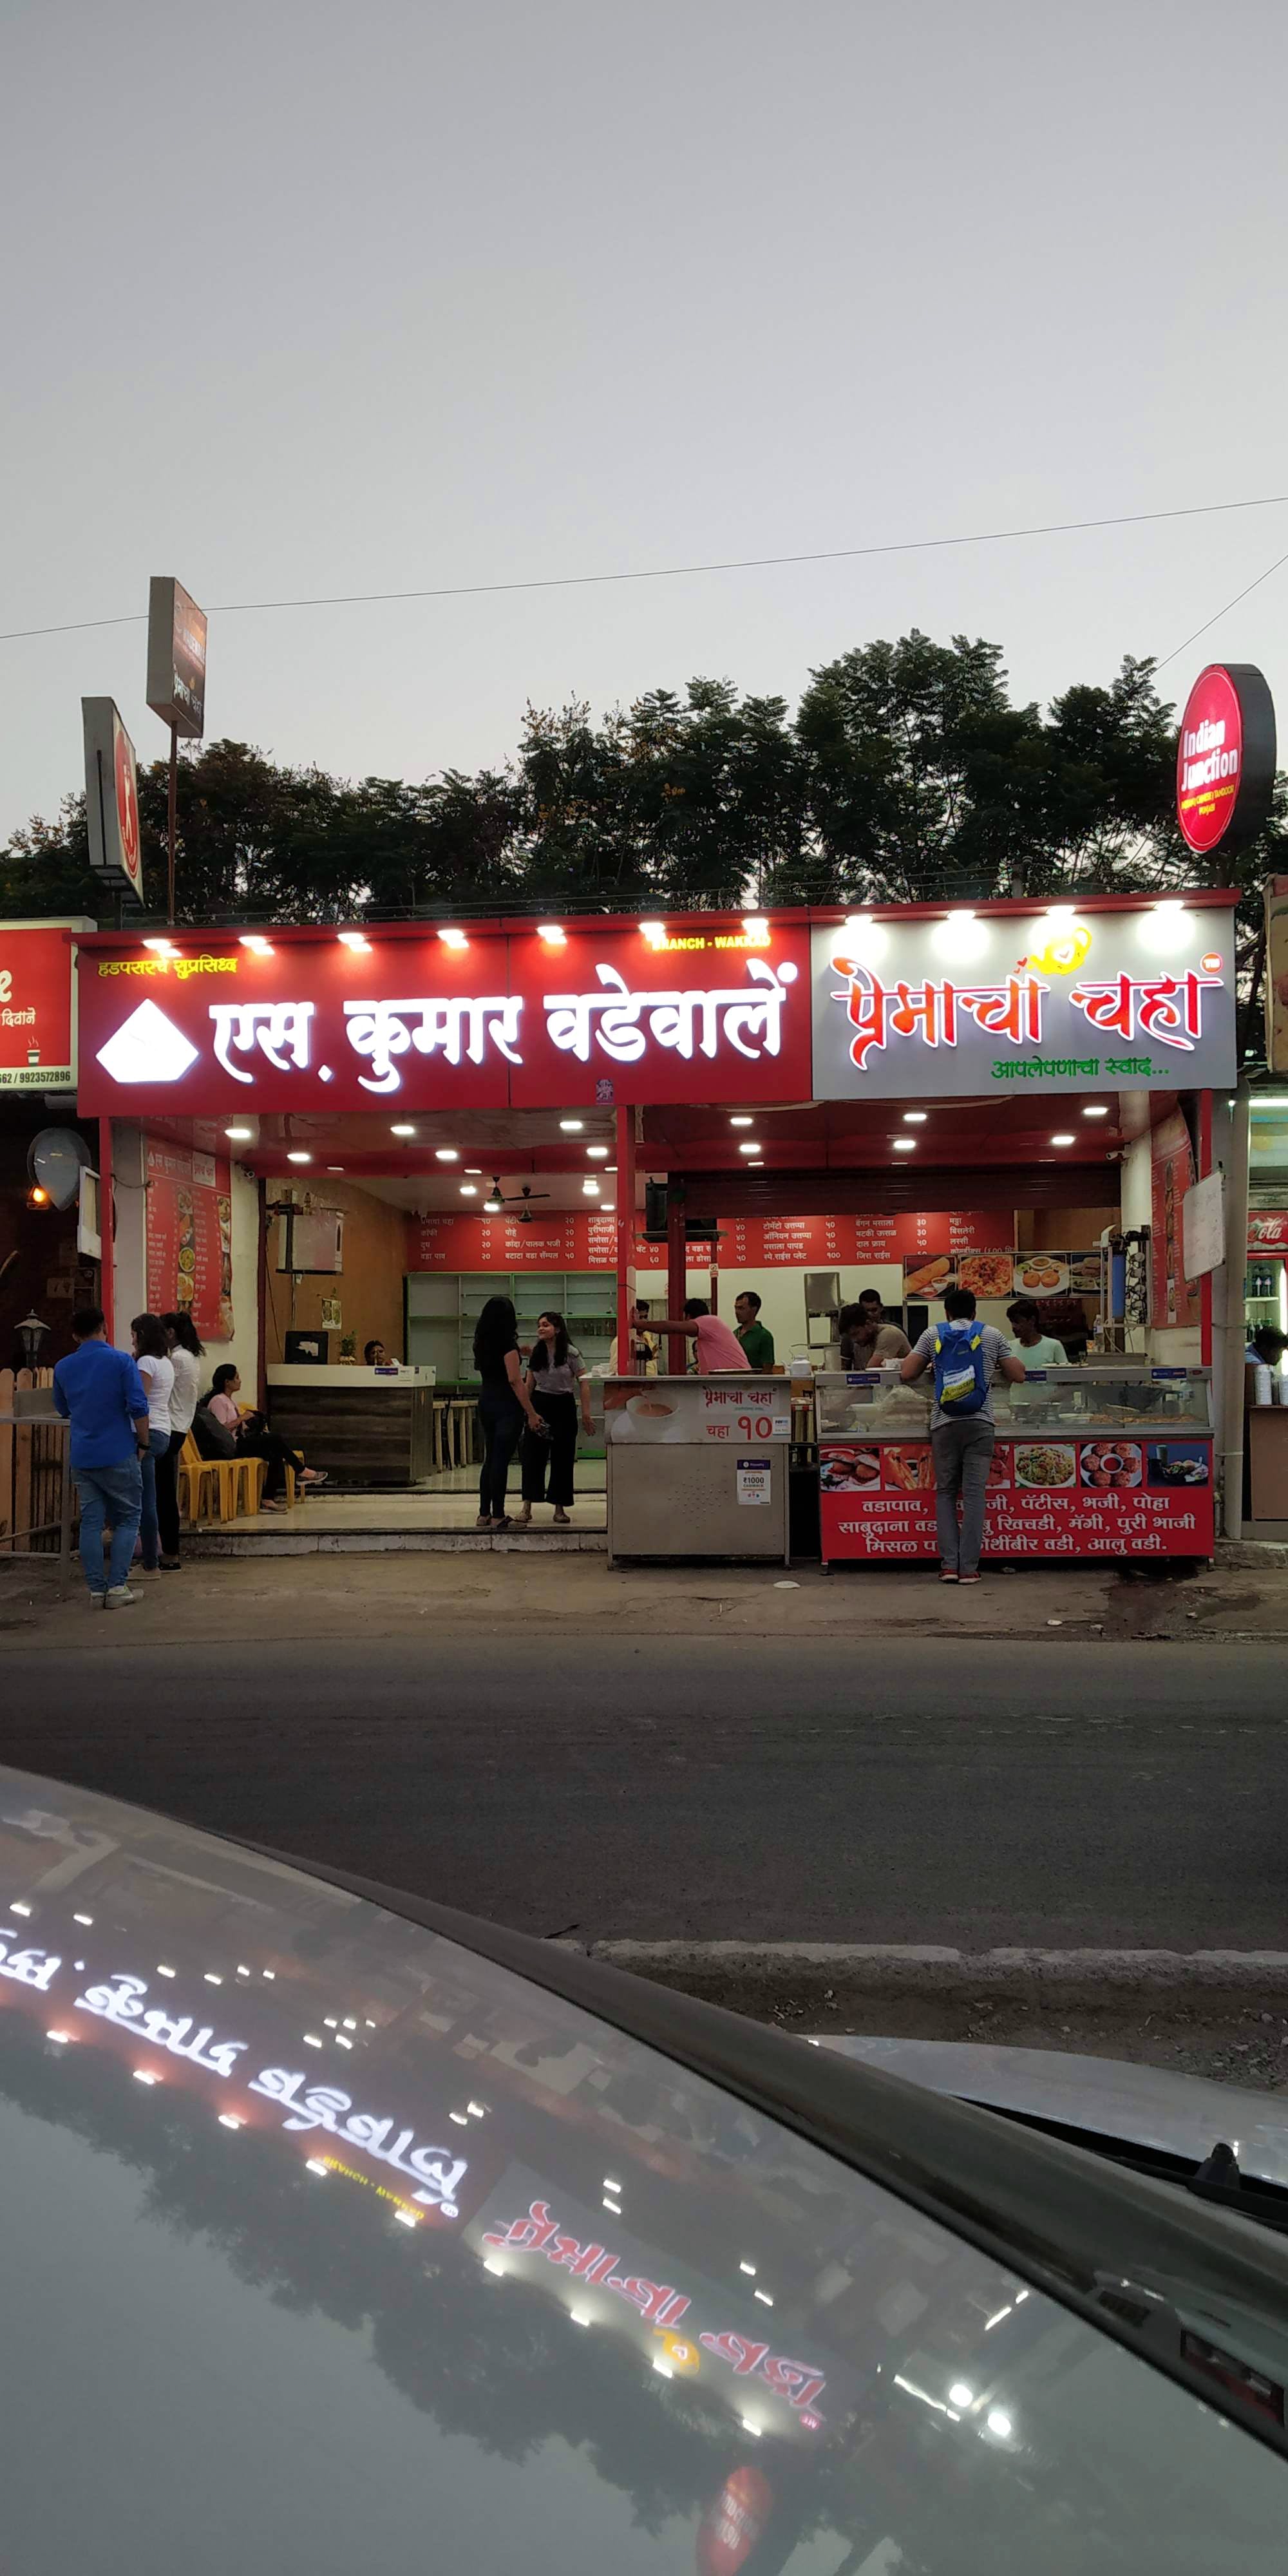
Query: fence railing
[{"x": 35, "y": 1476}]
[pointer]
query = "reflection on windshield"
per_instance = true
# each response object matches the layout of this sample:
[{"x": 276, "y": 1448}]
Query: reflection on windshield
[{"x": 549, "y": 2236}]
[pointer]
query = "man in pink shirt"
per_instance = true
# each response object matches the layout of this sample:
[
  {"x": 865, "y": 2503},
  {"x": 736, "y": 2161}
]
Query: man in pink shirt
[{"x": 718, "y": 1348}]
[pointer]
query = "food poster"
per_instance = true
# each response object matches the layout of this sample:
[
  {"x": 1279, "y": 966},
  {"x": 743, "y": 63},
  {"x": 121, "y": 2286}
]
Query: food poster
[
  {"x": 1050, "y": 1498},
  {"x": 190, "y": 1237},
  {"x": 989, "y": 1274},
  {"x": 1176, "y": 1301}
]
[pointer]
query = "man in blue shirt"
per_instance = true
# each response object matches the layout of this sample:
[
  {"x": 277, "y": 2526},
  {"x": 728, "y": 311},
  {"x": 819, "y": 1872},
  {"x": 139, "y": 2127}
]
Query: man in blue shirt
[{"x": 100, "y": 1392}]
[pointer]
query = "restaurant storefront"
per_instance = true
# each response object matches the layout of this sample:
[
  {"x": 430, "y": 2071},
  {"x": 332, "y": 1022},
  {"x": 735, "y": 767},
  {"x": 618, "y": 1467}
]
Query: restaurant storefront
[{"x": 320, "y": 1139}]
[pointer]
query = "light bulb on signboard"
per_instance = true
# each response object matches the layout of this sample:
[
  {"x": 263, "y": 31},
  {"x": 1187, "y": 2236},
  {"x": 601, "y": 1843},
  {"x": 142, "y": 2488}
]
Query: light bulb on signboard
[
  {"x": 961, "y": 938},
  {"x": 860, "y": 940},
  {"x": 1165, "y": 929}
]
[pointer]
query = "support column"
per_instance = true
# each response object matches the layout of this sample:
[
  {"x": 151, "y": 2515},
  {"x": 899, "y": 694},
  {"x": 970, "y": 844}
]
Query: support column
[
  {"x": 107, "y": 1227},
  {"x": 1205, "y": 1283},
  {"x": 625, "y": 1237},
  {"x": 1228, "y": 1385},
  {"x": 677, "y": 1353}
]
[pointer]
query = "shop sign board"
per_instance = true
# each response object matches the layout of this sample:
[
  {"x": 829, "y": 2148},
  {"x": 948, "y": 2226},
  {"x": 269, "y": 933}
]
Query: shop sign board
[
  {"x": 877, "y": 1500},
  {"x": 1225, "y": 758},
  {"x": 189, "y": 1237},
  {"x": 418, "y": 1025},
  {"x": 968, "y": 1005},
  {"x": 176, "y": 689},
  {"x": 1175, "y": 1298},
  {"x": 1268, "y": 1230},
  {"x": 112, "y": 799},
  {"x": 704, "y": 1412},
  {"x": 37, "y": 1024}
]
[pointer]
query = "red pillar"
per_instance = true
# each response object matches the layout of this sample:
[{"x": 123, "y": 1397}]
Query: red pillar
[
  {"x": 677, "y": 1354},
  {"x": 1205, "y": 1283},
  {"x": 107, "y": 1227},
  {"x": 625, "y": 1236}
]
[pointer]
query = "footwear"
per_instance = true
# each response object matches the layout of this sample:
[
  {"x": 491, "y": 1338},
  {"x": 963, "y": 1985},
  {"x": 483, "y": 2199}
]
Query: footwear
[
  {"x": 170, "y": 1565},
  {"x": 504, "y": 1522},
  {"x": 272, "y": 1507},
  {"x": 562, "y": 1521},
  {"x": 523, "y": 1519},
  {"x": 484, "y": 1521},
  {"x": 968, "y": 1578},
  {"x": 946, "y": 1577},
  {"x": 314, "y": 1476},
  {"x": 118, "y": 1599},
  {"x": 97, "y": 1599}
]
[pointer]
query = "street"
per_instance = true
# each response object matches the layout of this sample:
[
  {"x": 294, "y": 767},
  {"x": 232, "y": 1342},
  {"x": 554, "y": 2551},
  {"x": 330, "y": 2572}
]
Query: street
[{"x": 623, "y": 1778}]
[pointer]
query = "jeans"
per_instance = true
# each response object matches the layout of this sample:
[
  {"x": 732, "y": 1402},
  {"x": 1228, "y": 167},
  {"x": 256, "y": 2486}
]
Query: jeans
[
  {"x": 961, "y": 1452},
  {"x": 112, "y": 1494},
  {"x": 500, "y": 1421},
  {"x": 149, "y": 1527},
  {"x": 167, "y": 1481},
  {"x": 553, "y": 1456}
]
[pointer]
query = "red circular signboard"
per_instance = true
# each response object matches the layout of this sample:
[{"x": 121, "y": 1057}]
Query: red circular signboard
[
  {"x": 732, "y": 2526},
  {"x": 1225, "y": 757},
  {"x": 127, "y": 803}
]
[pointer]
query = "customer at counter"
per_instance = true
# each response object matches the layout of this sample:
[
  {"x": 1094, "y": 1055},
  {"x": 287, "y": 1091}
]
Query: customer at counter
[
  {"x": 1038, "y": 1349},
  {"x": 755, "y": 1339},
  {"x": 866, "y": 1336},
  {"x": 719, "y": 1350},
  {"x": 962, "y": 1426}
]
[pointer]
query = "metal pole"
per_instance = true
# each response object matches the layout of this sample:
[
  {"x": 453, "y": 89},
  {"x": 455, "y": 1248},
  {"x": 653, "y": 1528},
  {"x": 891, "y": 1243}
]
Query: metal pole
[
  {"x": 677, "y": 1349},
  {"x": 625, "y": 1245},
  {"x": 65, "y": 1528},
  {"x": 1205, "y": 1283},
  {"x": 1234, "y": 1329},
  {"x": 107, "y": 1227},
  {"x": 172, "y": 822}
]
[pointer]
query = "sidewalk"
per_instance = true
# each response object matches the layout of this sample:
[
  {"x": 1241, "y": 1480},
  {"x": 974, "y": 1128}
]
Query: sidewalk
[{"x": 511, "y": 1593}]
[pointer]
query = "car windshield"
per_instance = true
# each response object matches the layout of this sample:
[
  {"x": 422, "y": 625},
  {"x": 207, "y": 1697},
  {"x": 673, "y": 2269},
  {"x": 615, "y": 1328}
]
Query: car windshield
[{"x": 330, "y": 2243}]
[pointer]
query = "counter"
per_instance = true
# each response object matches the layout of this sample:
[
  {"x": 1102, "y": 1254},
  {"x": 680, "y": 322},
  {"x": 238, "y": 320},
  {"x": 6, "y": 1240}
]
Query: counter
[
  {"x": 1108, "y": 1460},
  {"x": 363, "y": 1425},
  {"x": 697, "y": 1466},
  {"x": 1267, "y": 1440}
]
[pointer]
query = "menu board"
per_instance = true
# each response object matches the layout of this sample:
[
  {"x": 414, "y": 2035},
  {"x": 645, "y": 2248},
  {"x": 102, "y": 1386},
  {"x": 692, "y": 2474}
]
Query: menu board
[
  {"x": 568, "y": 1239},
  {"x": 1176, "y": 1300},
  {"x": 1054, "y": 1497},
  {"x": 572, "y": 1239},
  {"x": 190, "y": 1237}
]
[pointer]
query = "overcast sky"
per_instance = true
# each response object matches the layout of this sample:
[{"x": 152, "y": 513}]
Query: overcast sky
[{"x": 306, "y": 298}]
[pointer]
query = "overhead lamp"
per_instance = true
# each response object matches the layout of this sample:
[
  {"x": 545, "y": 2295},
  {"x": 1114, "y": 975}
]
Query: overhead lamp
[
  {"x": 402, "y": 1131},
  {"x": 741, "y": 1122},
  {"x": 553, "y": 934},
  {"x": 468, "y": 1190},
  {"x": 446, "y": 1154},
  {"x": 355, "y": 939},
  {"x": 863, "y": 939},
  {"x": 335, "y": 1167},
  {"x": 299, "y": 1158},
  {"x": 999, "y": 2423},
  {"x": 161, "y": 947},
  {"x": 492, "y": 1203},
  {"x": 1060, "y": 916},
  {"x": 904, "y": 1144},
  {"x": 475, "y": 1171},
  {"x": 240, "y": 1135},
  {"x": 961, "y": 937},
  {"x": 598, "y": 1153},
  {"x": 1165, "y": 927},
  {"x": 654, "y": 932},
  {"x": 915, "y": 1117},
  {"x": 1063, "y": 1139},
  {"x": 1096, "y": 1109},
  {"x": 258, "y": 947},
  {"x": 572, "y": 1126},
  {"x": 755, "y": 925},
  {"x": 453, "y": 939},
  {"x": 609, "y": 1206},
  {"x": 38, "y": 1196},
  {"x": 751, "y": 1149},
  {"x": 960, "y": 2395},
  {"x": 590, "y": 1186}
]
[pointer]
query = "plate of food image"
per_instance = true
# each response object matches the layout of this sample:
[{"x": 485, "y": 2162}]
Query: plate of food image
[
  {"x": 850, "y": 1471},
  {"x": 1040, "y": 1274},
  {"x": 1109, "y": 1465},
  {"x": 1044, "y": 1462},
  {"x": 989, "y": 1274}
]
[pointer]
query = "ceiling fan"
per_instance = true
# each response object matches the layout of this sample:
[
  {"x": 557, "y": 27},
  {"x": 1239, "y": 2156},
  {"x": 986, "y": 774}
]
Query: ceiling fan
[{"x": 523, "y": 1200}]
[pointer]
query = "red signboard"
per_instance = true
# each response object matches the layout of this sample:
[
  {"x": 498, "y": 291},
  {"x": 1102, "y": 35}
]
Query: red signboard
[
  {"x": 569, "y": 1240},
  {"x": 1176, "y": 1299},
  {"x": 731, "y": 2527},
  {"x": 877, "y": 1499},
  {"x": 577, "y": 1240},
  {"x": 414, "y": 1024},
  {"x": 1225, "y": 757},
  {"x": 1268, "y": 1230},
  {"x": 35, "y": 1006},
  {"x": 189, "y": 1238}
]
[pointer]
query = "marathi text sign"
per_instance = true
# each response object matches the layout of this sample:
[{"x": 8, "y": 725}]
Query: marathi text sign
[
  {"x": 35, "y": 1006},
  {"x": 416, "y": 1024},
  {"x": 936, "y": 1009},
  {"x": 1116, "y": 1498}
]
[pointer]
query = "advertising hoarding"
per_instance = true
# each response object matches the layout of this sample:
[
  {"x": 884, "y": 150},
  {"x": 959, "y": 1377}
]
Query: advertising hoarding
[
  {"x": 1225, "y": 758},
  {"x": 176, "y": 689},
  {"x": 990, "y": 1005},
  {"x": 37, "y": 1018},
  {"x": 112, "y": 799}
]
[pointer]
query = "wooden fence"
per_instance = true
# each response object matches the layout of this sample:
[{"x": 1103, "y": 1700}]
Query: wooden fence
[{"x": 31, "y": 1471}]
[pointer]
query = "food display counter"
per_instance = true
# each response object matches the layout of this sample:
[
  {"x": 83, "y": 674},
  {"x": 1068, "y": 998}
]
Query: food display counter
[
  {"x": 1106, "y": 1460},
  {"x": 697, "y": 1466}
]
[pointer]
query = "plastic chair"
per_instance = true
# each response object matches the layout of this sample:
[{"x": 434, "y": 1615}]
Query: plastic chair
[
  {"x": 195, "y": 1476},
  {"x": 289, "y": 1472}
]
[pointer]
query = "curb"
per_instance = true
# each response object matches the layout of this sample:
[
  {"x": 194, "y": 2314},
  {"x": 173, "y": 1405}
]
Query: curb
[{"x": 850, "y": 1976}]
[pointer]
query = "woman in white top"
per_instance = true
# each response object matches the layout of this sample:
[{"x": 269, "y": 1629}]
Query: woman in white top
[
  {"x": 556, "y": 1377},
  {"x": 152, "y": 1351},
  {"x": 185, "y": 1359}
]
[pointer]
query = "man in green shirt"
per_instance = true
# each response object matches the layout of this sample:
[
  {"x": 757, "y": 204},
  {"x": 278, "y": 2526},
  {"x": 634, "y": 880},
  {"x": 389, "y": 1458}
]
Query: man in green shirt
[{"x": 756, "y": 1340}]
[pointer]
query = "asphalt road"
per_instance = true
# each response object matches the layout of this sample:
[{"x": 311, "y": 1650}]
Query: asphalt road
[{"x": 972, "y": 1793}]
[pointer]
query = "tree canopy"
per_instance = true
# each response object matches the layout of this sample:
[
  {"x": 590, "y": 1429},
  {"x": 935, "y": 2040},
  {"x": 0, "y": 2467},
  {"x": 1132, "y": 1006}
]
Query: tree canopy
[{"x": 906, "y": 773}]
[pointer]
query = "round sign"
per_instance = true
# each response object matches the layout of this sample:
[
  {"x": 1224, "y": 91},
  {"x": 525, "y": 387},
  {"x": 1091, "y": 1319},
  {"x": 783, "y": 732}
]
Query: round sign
[
  {"x": 127, "y": 803},
  {"x": 732, "y": 2526},
  {"x": 1225, "y": 757}
]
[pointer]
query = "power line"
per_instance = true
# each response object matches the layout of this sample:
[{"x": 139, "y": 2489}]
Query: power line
[
  {"x": 1220, "y": 613},
  {"x": 683, "y": 572}
]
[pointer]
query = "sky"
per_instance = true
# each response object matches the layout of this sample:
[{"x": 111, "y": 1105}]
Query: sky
[{"x": 309, "y": 299}]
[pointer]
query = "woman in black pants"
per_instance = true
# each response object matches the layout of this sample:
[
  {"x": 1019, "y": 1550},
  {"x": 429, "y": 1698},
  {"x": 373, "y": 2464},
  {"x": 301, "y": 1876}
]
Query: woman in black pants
[
  {"x": 504, "y": 1406},
  {"x": 556, "y": 1377}
]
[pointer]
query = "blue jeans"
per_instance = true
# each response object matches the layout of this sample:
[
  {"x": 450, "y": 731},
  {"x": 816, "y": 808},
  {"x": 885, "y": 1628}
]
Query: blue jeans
[
  {"x": 115, "y": 1494},
  {"x": 158, "y": 1444}
]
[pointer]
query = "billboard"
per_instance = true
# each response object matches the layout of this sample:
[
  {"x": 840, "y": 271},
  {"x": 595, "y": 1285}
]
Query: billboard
[
  {"x": 1225, "y": 758},
  {"x": 176, "y": 657},
  {"x": 971, "y": 1005},
  {"x": 112, "y": 799},
  {"x": 37, "y": 1021}
]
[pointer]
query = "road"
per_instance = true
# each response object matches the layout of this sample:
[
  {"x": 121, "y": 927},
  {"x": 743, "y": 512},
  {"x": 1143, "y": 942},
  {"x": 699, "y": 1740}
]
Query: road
[{"x": 966, "y": 1791}]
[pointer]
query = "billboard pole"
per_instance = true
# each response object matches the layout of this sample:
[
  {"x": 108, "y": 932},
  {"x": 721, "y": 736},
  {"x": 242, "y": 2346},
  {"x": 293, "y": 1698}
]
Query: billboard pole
[{"x": 172, "y": 815}]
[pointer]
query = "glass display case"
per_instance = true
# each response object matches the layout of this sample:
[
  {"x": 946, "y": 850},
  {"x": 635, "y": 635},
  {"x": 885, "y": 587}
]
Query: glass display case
[{"x": 1105, "y": 1460}]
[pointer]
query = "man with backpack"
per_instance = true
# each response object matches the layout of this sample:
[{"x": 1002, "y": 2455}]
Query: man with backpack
[{"x": 965, "y": 1356}]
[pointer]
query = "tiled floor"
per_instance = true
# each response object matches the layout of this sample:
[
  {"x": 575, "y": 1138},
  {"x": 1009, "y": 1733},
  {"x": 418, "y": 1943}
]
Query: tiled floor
[{"x": 446, "y": 1508}]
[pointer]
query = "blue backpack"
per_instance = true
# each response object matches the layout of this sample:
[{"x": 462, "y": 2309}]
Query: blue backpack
[{"x": 961, "y": 1370}]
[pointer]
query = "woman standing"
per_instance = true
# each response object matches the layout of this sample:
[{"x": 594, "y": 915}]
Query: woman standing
[
  {"x": 152, "y": 1351},
  {"x": 185, "y": 1357},
  {"x": 556, "y": 1377},
  {"x": 504, "y": 1406}
]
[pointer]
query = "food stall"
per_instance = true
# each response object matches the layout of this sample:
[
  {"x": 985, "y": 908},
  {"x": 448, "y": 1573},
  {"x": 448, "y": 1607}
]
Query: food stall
[
  {"x": 697, "y": 1466},
  {"x": 1108, "y": 1460}
]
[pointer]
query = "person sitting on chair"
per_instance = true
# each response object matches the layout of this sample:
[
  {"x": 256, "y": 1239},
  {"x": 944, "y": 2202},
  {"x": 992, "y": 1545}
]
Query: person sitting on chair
[{"x": 255, "y": 1440}]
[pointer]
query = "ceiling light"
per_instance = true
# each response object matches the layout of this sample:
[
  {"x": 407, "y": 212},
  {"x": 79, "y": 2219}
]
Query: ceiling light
[
  {"x": 446, "y": 1154},
  {"x": 572, "y": 1126},
  {"x": 161, "y": 947},
  {"x": 915, "y": 1117},
  {"x": 597, "y": 1153},
  {"x": 904, "y": 1144},
  {"x": 402, "y": 1131},
  {"x": 960, "y": 2395},
  {"x": 755, "y": 925},
  {"x": 144, "y": 2075},
  {"x": 1096, "y": 1109},
  {"x": 453, "y": 939},
  {"x": 751, "y": 1149},
  {"x": 553, "y": 934},
  {"x": 590, "y": 1186},
  {"x": 960, "y": 937},
  {"x": 654, "y": 930},
  {"x": 741, "y": 1121},
  {"x": 229, "y": 2120},
  {"x": 1060, "y": 916},
  {"x": 1165, "y": 928},
  {"x": 491, "y": 1204},
  {"x": 258, "y": 947},
  {"x": 999, "y": 2422},
  {"x": 335, "y": 1167},
  {"x": 468, "y": 1190},
  {"x": 1063, "y": 1139},
  {"x": 608, "y": 1206},
  {"x": 354, "y": 939},
  {"x": 299, "y": 1158},
  {"x": 240, "y": 1135},
  {"x": 860, "y": 940},
  {"x": 475, "y": 1171}
]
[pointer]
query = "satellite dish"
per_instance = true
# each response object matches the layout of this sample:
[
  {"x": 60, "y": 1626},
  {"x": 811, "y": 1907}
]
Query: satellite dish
[{"x": 55, "y": 1160}]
